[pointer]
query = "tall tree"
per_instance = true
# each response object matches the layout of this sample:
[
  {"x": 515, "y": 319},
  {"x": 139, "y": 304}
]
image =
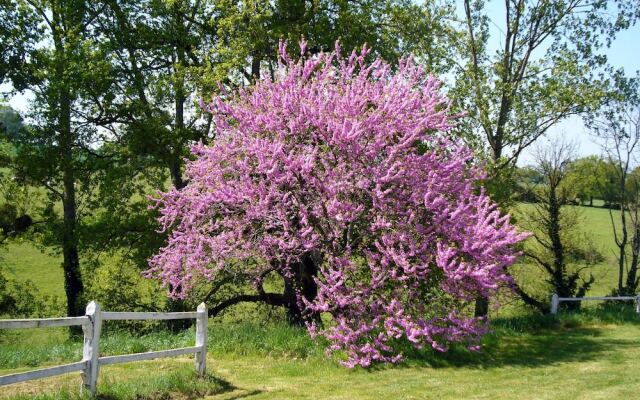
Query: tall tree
[
  {"x": 542, "y": 72},
  {"x": 68, "y": 76},
  {"x": 563, "y": 256}
]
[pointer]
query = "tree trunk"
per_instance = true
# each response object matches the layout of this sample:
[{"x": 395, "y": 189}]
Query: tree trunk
[
  {"x": 482, "y": 307},
  {"x": 622, "y": 244},
  {"x": 301, "y": 280},
  {"x": 71, "y": 263},
  {"x": 176, "y": 172},
  {"x": 255, "y": 68},
  {"x": 179, "y": 128},
  {"x": 632, "y": 273}
]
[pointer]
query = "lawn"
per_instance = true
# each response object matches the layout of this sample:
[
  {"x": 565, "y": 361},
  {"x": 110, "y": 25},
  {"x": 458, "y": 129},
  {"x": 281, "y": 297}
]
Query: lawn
[{"x": 544, "y": 358}]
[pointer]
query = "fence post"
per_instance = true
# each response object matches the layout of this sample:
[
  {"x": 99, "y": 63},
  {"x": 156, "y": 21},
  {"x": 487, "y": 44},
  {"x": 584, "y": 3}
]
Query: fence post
[
  {"x": 201, "y": 339},
  {"x": 91, "y": 348},
  {"x": 638, "y": 304},
  {"x": 554, "y": 304}
]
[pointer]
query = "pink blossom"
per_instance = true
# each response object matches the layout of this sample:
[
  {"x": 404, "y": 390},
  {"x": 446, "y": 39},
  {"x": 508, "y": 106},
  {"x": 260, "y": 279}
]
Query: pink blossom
[{"x": 351, "y": 162}]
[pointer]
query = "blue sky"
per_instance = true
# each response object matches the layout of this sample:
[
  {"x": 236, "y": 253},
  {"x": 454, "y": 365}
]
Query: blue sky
[{"x": 623, "y": 53}]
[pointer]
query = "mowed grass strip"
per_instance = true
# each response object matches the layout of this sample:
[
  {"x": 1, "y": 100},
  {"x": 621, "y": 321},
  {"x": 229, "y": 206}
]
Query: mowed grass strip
[{"x": 158, "y": 379}]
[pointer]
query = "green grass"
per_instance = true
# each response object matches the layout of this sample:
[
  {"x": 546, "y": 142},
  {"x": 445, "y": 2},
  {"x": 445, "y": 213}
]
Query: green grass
[
  {"x": 176, "y": 380},
  {"x": 242, "y": 339},
  {"x": 24, "y": 261},
  {"x": 588, "y": 355}
]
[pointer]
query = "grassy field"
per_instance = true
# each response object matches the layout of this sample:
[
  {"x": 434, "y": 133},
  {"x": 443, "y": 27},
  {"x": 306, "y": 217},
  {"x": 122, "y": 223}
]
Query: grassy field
[
  {"x": 595, "y": 225},
  {"x": 592, "y": 355},
  {"x": 24, "y": 261}
]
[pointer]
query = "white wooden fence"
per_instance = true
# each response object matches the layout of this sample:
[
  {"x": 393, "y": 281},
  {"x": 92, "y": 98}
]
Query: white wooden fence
[
  {"x": 91, "y": 324},
  {"x": 555, "y": 301}
]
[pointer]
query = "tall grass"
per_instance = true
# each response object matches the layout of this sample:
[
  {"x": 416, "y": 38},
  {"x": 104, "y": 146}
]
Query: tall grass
[{"x": 30, "y": 348}]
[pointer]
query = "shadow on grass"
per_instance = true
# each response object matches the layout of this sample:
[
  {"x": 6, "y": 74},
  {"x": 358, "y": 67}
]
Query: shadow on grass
[
  {"x": 244, "y": 395},
  {"x": 180, "y": 386},
  {"x": 533, "y": 341}
]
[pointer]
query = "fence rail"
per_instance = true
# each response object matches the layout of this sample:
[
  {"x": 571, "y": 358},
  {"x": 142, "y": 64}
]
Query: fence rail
[
  {"x": 43, "y": 373},
  {"x": 556, "y": 300},
  {"x": 43, "y": 322},
  {"x": 151, "y": 355},
  {"x": 91, "y": 361},
  {"x": 121, "y": 316}
]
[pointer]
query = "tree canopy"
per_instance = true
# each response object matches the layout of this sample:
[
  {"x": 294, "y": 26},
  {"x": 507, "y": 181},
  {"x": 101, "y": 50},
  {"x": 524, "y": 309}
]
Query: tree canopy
[{"x": 339, "y": 178}]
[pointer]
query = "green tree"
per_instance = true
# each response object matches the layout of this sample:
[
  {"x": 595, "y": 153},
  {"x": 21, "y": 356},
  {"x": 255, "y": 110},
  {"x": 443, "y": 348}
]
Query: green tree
[
  {"x": 545, "y": 70},
  {"x": 69, "y": 80},
  {"x": 564, "y": 257},
  {"x": 528, "y": 180},
  {"x": 587, "y": 176},
  {"x": 11, "y": 123},
  {"x": 609, "y": 189}
]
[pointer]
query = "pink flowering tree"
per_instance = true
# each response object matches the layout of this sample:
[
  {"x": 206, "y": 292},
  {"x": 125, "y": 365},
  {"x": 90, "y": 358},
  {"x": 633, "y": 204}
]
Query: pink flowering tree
[{"x": 339, "y": 180}]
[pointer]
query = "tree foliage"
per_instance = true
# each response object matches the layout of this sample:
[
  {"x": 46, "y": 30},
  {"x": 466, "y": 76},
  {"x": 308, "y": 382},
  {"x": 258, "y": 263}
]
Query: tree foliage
[
  {"x": 339, "y": 178},
  {"x": 587, "y": 177},
  {"x": 69, "y": 82},
  {"x": 542, "y": 72}
]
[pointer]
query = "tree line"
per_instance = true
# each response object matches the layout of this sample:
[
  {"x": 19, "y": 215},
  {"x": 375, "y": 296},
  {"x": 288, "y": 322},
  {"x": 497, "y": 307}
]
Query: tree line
[
  {"x": 586, "y": 179},
  {"x": 115, "y": 88}
]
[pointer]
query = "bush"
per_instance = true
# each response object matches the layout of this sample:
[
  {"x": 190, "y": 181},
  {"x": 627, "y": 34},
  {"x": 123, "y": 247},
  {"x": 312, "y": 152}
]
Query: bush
[{"x": 118, "y": 286}]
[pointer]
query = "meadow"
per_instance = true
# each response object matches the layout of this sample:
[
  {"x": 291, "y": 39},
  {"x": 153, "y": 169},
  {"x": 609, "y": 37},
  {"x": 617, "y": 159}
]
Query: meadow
[{"x": 591, "y": 355}]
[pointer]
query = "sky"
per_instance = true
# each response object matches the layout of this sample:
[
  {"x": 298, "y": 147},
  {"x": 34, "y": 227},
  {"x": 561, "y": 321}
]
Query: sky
[{"x": 623, "y": 53}]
